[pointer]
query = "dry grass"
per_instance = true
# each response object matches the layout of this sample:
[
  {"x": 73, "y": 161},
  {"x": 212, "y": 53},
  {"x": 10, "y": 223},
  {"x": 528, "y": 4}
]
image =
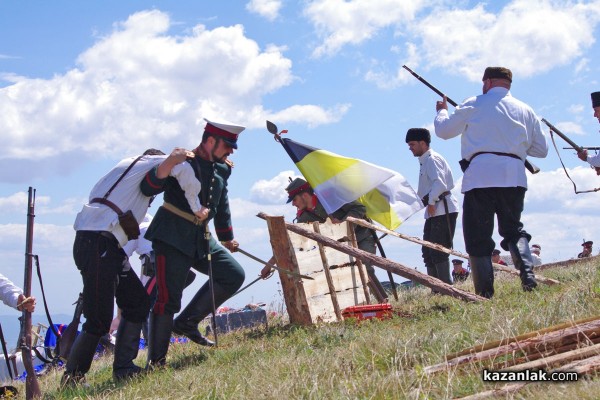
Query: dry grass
[{"x": 373, "y": 360}]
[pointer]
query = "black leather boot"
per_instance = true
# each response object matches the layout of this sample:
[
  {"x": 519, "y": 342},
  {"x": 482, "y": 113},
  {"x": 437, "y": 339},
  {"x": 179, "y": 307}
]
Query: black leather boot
[
  {"x": 186, "y": 323},
  {"x": 483, "y": 275},
  {"x": 159, "y": 340},
  {"x": 443, "y": 271},
  {"x": 523, "y": 261},
  {"x": 126, "y": 350},
  {"x": 80, "y": 359}
]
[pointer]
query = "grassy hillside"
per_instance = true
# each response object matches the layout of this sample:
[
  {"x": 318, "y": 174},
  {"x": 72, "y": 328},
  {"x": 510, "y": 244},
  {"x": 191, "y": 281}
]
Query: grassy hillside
[{"x": 373, "y": 360}]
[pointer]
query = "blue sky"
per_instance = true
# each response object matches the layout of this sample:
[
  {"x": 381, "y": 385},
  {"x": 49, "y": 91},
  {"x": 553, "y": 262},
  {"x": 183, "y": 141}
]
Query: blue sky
[{"x": 84, "y": 84}]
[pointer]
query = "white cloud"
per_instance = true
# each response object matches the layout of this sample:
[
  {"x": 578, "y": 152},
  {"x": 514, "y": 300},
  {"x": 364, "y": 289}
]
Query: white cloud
[
  {"x": 352, "y": 22},
  {"x": 268, "y": 9},
  {"x": 569, "y": 127},
  {"x": 468, "y": 40},
  {"x": 272, "y": 191},
  {"x": 17, "y": 203},
  {"x": 139, "y": 84}
]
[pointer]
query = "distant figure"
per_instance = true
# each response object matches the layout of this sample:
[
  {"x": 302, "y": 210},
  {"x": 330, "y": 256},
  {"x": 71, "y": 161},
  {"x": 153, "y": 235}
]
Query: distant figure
[
  {"x": 536, "y": 249},
  {"x": 594, "y": 161},
  {"x": 13, "y": 296},
  {"x": 496, "y": 257},
  {"x": 459, "y": 274},
  {"x": 587, "y": 249}
]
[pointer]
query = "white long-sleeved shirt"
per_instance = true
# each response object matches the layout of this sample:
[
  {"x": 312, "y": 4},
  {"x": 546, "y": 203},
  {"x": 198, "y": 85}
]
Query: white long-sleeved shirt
[
  {"x": 435, "y": 178},
  {"x": 9, "y": 292},
  {"x": 127, "y": 195},
  {"x": 594, "y": 160},
  {"x": 497, "y": 122}
]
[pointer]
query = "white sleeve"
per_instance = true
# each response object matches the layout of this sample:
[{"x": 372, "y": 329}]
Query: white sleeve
[
  {"x": 184, "y": 174},
  {"x": 594, "y": 160},
  {"x": 9, "y": 293}
]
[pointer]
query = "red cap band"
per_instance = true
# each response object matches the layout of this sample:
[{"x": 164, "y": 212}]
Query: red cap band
[{"x": 220, "y": 132}]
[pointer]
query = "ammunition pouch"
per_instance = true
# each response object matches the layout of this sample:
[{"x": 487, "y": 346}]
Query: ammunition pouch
[{"x": 126, "y": 219}]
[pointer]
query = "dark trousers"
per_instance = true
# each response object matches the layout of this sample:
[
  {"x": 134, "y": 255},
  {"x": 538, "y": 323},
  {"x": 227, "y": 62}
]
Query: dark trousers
[
  {"x": 437, "y": 230},
  {"x": 101, "y": 263},
  {"x": 479, "y": 208},
  {"x": 172, "y": 268}
]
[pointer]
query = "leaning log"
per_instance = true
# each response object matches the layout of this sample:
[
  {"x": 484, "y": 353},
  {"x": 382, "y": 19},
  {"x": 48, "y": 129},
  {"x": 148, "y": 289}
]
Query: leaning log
[
  {"x": 397, "y": 268},
  {"x": 435, "y": 246},
  {"x": 582, "y": 332},
  {"x": 502, "y": 342}
]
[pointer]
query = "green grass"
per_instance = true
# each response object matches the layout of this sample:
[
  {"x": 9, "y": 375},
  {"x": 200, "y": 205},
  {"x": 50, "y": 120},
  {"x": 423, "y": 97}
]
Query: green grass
[{"x": 371, "y": 360}]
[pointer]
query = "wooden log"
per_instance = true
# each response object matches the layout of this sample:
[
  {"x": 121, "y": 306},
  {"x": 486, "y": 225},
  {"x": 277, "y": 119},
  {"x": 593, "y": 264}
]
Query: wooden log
[
  {"x": 435, "y": 246},
  {"x": 332, "y": 294},
  {"x": 581, "y": 367},
  {"x": 490, "y": 345},
  {"x": 295, "y": 299},
  {"x": 568, "y": 263},
  {"x": 544, "y": 354},
  {"x": 386, "y": 264},
  {"x": 557, "y": 359},
  {"x": 587, "y": 330},
  {"x": 359, "y": 264}
]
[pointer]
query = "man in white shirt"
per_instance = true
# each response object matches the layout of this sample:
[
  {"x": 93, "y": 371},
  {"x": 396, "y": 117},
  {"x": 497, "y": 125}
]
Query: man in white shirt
[
  {"x": 104, "y": 266},
  {"x": 441, "y": 207},
  {"x": 594, "y": 160},
  {"x": 498, "y": 133}
]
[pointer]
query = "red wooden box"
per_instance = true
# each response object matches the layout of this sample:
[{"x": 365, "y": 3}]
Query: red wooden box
[{"x": 380, "y": 311}]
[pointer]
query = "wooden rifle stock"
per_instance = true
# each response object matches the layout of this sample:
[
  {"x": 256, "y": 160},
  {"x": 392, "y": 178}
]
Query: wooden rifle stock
[
  {"x": 530, "y": 167},
  {"x": 65, "y": 342},
  {"x": 32, "y": 388},
  {"x": 579, "y": 149}
]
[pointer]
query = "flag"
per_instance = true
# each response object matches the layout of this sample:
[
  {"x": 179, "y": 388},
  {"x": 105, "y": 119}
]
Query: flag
[{"x": 339, "y": 180}]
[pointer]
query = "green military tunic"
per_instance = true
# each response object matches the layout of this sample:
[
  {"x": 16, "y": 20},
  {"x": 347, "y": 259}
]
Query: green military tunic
[{"x": 180, "y": 244}]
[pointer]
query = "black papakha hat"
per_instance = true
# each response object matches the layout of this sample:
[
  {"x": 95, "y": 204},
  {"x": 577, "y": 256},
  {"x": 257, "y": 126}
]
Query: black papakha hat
[
  {"x": 497, "y": 73},
  {"x": 418, "y": 134},
  {"x": 457, "y": 261},
  {"x": 588, "y": 243},
  {"x": 495, "y": 252},
  {"x": 595, "y": 99},
  {"x": 297, "y": 186}
]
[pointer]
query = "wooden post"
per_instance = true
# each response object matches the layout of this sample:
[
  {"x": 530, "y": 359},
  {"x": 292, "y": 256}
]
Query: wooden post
[
  {"x": 359, "y": 264},
  {"x": 384, "y": 263},
  {"x": 332, "y": 294},
  {"x": 295, "y": 298}
]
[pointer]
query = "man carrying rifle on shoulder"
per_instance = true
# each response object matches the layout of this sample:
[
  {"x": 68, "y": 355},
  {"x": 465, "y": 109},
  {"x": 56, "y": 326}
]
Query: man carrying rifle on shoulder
[
  {"x": 594, "y": 161},
  {"x": 498, "y": 133}
]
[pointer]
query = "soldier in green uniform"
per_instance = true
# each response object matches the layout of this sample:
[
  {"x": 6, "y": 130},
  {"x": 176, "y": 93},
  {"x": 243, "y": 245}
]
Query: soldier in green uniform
[
  {"x": 302, "y": 196},
  {"x": 178, "y": 240}
]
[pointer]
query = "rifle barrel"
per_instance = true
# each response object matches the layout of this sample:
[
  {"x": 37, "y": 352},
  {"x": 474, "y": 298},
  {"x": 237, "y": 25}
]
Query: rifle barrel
[
  {"x": 562, "y": 135},
  {"x": 32, "y": 388},
  {"x": 430, "y": 86}
]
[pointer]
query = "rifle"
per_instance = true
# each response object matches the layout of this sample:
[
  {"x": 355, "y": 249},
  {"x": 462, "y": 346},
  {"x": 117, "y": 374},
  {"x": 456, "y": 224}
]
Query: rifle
[
  {"x": 32, "y": 388},
  {"x": 65, "y": 342},
  {"x": 579, "y": 149},
  {"x": 530, "y": 167},
  {"x": 582, "y": 147}
]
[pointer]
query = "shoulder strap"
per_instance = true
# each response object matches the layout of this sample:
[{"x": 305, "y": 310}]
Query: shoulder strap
[{"x": 122, "y": 176}]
